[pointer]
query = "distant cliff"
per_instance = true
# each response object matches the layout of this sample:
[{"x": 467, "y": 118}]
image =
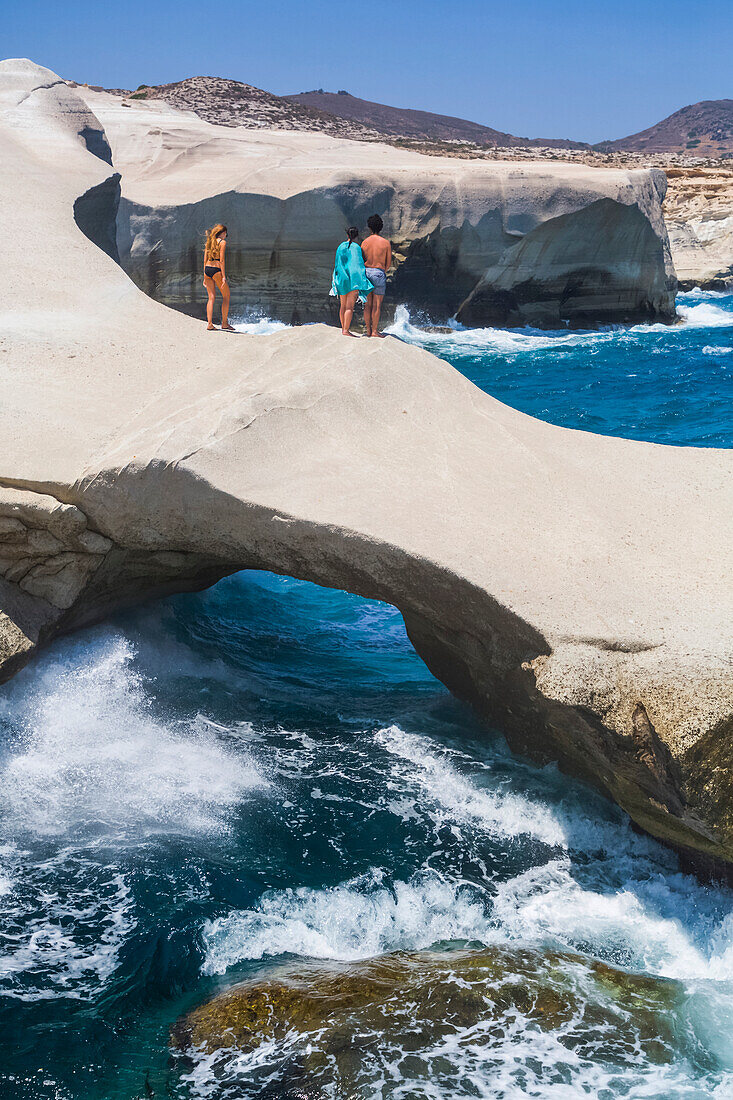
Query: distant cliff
[{"x": 698, "y": 211}]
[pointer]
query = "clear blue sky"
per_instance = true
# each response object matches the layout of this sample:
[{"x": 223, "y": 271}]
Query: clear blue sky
[{"x": 587, "y": 69}]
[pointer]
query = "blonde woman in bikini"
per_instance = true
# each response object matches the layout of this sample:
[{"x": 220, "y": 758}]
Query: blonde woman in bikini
[{"x": 215, "y": 275}]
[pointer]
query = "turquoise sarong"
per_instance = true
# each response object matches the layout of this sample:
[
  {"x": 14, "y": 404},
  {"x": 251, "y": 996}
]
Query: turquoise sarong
[{"x": 349, "y": 272}]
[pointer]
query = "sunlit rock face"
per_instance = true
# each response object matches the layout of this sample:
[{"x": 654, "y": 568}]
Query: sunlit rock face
[
  {"x": 559, "y": 273},
  {"x": 347, "y": 1026},
  {"x": 698, "y": 210}
]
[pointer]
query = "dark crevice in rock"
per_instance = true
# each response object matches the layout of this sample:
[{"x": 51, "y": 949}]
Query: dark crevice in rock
[
  {"x": 611, "y": 645},
  {"x": 95, "y": 212},
  {"x": 96, "y": 142},
  {"x": 655, "y": 756}
]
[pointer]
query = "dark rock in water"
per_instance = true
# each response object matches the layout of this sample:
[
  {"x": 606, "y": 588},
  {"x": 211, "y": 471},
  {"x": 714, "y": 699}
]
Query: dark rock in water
[
  {"x": 548, "y": 278},
  {"x": 328, "y": 1021}
]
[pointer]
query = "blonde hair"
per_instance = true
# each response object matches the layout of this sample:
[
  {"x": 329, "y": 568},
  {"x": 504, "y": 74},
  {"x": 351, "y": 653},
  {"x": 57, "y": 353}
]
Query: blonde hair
[{"x": 211, "y": 248}]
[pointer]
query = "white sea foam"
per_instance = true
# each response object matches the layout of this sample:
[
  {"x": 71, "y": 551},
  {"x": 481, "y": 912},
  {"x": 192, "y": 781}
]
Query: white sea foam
[
  {"x": 503, "y": 813},
  {"x": 698, "y": 292},
  {"x": 457, "y": 789},
  {"x": 7, "y": 853},
  {"x": 89, "y": 765},
  {"x": 512, "y": 1059},
  {"x": 619, "y": 899},
  {"x": 507, "y": 1055},
  {"x": 495, "y": 339},
  {"x": 664, "y": 925},
  {"x": 627, "y": 905},
  {"x": 92, "y": 752},
  {"x": 354, "y": 920},
  {"x": 64, "y": 920},
  {"x": 704, "y": 314},
  {"x": 257, "y": 325},
  {"x": 711, "y": 350}
]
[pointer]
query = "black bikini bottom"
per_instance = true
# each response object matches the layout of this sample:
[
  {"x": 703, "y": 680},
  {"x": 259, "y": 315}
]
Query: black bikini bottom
[{"x": 210, "y": 272}]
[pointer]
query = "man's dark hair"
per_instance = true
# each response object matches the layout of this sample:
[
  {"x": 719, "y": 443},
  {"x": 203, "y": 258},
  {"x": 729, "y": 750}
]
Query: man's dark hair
[{"x": 375, "y": 223}]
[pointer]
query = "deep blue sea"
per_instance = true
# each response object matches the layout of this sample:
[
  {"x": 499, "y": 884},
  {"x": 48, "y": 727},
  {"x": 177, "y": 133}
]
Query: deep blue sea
[{"x": 207, "y": 787}]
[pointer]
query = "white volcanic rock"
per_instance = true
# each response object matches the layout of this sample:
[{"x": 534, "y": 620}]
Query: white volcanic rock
[
  {"x": 699, "y": 215},
  {"x": 533, "y": 242},
  {"x": 575, "y": 588}
]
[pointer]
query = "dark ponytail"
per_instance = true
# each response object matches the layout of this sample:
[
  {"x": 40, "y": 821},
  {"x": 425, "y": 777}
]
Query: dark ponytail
[{"x": 352, "y": 233}]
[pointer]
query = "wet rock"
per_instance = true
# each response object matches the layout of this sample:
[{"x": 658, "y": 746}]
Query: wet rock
[{"x": 328, "y": 1022}]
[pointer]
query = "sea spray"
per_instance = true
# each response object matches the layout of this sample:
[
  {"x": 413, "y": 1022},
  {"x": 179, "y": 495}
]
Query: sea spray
[
  {"x": 93, "y": 755},
  {"x": 432, "y": 769},
  {"x": 355, "y": 920}
]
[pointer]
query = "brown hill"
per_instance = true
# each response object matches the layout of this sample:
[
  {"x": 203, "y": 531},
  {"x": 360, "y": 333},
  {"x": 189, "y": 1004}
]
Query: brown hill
[
  {"x": 231, "y": 103},
  {"x": 419, "y": 125},
  {"x": 704, "y": 129}
]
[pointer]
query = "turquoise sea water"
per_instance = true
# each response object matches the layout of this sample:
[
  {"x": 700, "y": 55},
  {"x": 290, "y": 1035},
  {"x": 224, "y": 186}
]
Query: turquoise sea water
[
  {"x": 204, "y": 788},
  {"x": 665, "y": 384}
]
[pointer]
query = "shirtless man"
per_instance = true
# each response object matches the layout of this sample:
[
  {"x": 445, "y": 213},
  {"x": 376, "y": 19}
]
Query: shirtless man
[{"x": 378, "y": 260}]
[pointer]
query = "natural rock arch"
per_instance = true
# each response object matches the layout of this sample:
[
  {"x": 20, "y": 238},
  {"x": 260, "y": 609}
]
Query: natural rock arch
[{"x": 574, "y": 587}]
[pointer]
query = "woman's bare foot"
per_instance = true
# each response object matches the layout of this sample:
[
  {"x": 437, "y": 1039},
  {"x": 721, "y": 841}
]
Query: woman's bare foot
[
  {"x": 227, "y": 328},
  {"x": 349, "y": 334},
  {"x": 210, "y": 328},
  {"x": 379, "y": 334}
]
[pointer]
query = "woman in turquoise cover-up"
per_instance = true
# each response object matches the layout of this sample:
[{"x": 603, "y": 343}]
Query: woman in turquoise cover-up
[{"x": 349, "y": 280}]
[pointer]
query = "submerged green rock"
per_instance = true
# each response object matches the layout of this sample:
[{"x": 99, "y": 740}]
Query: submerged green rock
[{"x": 329, "y": 1021}]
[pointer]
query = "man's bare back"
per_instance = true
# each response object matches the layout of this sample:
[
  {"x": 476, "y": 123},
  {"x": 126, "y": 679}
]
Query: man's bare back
[{"x": 377, "y": 252}]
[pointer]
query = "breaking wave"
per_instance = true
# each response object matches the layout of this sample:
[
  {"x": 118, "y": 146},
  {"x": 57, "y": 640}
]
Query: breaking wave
[
  {"x": 662, "y": 383},
  {"x": 90, "y": 753}
]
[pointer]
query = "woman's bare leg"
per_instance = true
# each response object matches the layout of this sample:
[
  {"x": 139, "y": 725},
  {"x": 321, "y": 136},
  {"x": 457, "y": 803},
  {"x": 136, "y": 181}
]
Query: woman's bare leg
[
  {"x": 225, "y": 296},
  {"x": 349, "y": 303},
  {"x": 211, "y": 291},
  {"x": 342, "y": 307}
]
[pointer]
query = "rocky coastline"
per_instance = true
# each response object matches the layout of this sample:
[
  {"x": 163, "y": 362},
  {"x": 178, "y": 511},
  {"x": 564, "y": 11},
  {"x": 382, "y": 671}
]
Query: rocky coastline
[
  {"x": 573, "y": 587},
  {"x": 692, "y": 148}
]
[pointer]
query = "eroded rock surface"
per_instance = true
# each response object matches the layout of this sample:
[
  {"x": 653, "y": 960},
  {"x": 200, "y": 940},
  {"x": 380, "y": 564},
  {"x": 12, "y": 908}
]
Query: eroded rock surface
[
  {"x": 575, "y": 588},
  {"x": 545, "y": 243},
  {"x": 46, "y": 547},
  {"x": 699, "y": 216}
]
